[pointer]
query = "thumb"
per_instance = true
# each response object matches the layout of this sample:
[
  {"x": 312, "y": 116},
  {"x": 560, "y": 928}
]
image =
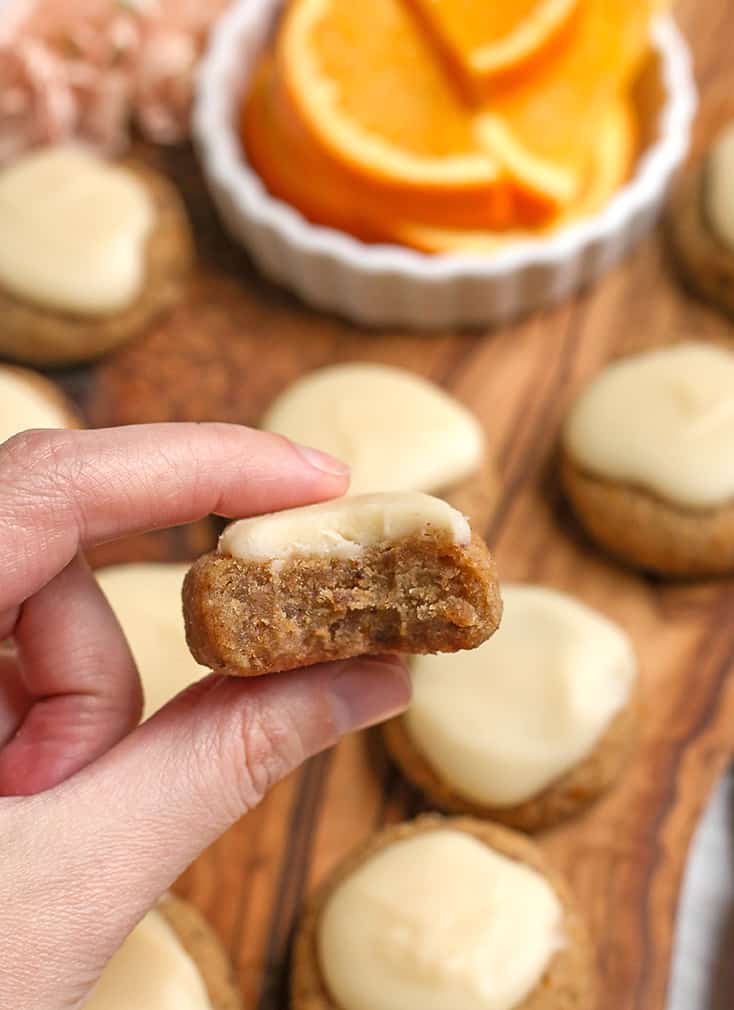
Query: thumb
[{"x": 170, "y": 788}]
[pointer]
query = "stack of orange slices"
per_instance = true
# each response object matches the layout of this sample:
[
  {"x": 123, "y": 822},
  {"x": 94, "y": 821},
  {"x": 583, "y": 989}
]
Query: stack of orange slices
[{"x": 447, "y": 125}]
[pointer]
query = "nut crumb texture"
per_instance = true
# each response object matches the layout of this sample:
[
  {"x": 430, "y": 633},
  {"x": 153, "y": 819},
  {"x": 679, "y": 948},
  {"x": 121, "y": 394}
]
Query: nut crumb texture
[{"x": 422, "y": 592}]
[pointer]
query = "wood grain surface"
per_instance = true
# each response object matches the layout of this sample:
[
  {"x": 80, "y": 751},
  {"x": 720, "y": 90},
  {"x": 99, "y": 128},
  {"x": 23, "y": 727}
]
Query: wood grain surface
[{"x": 235, "y": 343}]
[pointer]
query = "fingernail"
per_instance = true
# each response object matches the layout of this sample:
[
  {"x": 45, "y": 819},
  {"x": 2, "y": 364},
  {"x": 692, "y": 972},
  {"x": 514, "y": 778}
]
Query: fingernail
[
  {"x": 367, "y": 691},
  {"x": 322, "y": 461}
]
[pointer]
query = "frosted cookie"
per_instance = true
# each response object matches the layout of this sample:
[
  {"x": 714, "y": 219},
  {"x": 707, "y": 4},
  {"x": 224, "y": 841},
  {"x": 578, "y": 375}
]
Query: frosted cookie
[
  {"x": 146, "y": 599},
  {"x": 171, "y": 961},
  {"x": 700, "y": 223},
  {"x": 648, "y": 459},
  {"x": 366, "y": 574},
  {"x": 91, "y": 253},
  {"x": 396, "y": 430},
  {"x": 531, "y": 726},
  {"x": 28, "y": 400},
  {"x": 447, "y": 914}
]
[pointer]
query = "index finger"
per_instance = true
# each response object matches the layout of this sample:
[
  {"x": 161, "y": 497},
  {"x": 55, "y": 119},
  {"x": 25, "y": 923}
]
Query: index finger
[{"x": 65, "y": 490}]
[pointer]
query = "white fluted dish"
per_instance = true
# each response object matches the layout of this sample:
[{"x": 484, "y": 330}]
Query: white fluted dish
[{"x": 390, "y": 285}]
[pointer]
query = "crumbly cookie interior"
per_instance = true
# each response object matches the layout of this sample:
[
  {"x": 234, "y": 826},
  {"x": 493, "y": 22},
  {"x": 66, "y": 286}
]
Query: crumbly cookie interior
[{"x": 421, "y": 593}]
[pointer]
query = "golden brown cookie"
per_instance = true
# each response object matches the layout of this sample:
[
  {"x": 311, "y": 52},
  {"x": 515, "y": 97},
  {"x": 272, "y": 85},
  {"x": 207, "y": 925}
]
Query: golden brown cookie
[
  {"x": 205, "y": 950},
  {"x": 531, "y": 726},
  {"x": 36, "y": 335},
  {"x": 704, "y": 260},
  {"x": 569, "y": 982},
  {"x": 646, "y": 532},
  {"x": 565, "y": 798},
  {"x": 427, "y": 441},
  {"x": 647, "y": 458},
  {"x": 428, "y": 586}
]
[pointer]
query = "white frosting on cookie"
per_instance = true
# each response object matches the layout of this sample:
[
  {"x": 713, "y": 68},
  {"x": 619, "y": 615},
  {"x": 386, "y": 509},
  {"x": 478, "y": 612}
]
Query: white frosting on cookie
[
  {"x": 342, "y": 528},
  {"x": 719, "y": 186},
  {"x": 146, "y": 599},
  {"x": 151, "y": 971},
  {"x": 74, "y": 231},
  {"x": 397, "y": 431},
  {"x": 24, "y": 403},
  {"x": 438, "y": 921},
  {"x": 662, "y": 420},
  {"x": 500, "y": 723}
]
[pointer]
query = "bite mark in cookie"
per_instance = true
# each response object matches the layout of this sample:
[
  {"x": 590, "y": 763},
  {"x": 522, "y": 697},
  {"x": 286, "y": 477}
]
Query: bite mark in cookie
[{"x": 364, "y": 574}]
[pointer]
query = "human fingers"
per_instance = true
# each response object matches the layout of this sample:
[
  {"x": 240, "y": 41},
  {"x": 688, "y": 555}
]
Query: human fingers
[
  {"x": 81, "y": 686},
  {"x": 14, "y": 699},
  {"x": 126, "y": 826},
  {"x": 62, "y": 490}
]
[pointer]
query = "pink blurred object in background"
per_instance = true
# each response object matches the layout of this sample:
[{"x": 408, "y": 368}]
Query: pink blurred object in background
[{"x": 91, "y": 69}]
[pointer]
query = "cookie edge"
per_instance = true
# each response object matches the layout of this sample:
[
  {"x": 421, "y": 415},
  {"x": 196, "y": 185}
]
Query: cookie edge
[
  {"x": 43, "y": 337},
  {"x": 569, "y": 982},
  {"x": 205, "y": 949},
  {"x": 201, "y": 635},
  {"x": 705, "y": 264},
  {"x": 566, "y": 797},
  {"x": 647, "y": 533}
]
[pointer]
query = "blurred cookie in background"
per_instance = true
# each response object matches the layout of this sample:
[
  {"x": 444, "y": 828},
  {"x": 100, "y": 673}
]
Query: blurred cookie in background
[
  {"x": 396, "y": 430},
  {"x": 146, "y": 599},
  {"x": 532, "y": 726},
  {"x": 443, "y": 913},
  {"x": 648, "y": 459},
  {"x": 92, "y": 252},
  {"x": 700, "y": 223},
  {"x": 172, "y": 960}
]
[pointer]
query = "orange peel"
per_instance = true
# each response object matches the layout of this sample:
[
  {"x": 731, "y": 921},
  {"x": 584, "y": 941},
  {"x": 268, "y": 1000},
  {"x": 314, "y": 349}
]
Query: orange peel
[
  {"x": 482, "y": 40},
  {"x": 295, "y": 168},
  {"x": 543, "y": 123},
  {"x": 611, "y": 163},
  {"x": 366, "y": 83}
]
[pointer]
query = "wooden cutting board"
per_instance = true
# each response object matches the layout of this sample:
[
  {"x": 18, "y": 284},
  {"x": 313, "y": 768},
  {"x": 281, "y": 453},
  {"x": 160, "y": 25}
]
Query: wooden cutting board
[{"x": 235, "y": 343}]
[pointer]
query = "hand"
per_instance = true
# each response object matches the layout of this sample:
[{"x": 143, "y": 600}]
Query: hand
[{"x": 98, "y": 815}]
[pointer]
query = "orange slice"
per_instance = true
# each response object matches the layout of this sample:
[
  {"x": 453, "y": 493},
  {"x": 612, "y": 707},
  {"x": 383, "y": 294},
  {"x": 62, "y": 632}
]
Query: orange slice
[
  {"x": 296, "y": 169},
  {"x": 482, "y": 40},
  {"x": 365, "y": 82},
  {"x": 542, "y": 123},
  {"x": 293, "y": 174},
  {"x": 499, "y": 205},
  {"x": 298, "y": 174},
  {"x": 612, "y": 159}
]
